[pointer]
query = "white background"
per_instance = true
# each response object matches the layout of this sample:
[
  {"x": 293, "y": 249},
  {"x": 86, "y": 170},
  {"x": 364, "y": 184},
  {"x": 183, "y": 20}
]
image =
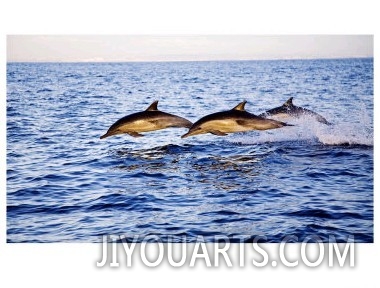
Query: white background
[{"x": 63, "y": 265}]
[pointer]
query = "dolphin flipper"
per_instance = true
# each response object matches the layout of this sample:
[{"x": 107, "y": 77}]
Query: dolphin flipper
[
  {"x": 218, "y": 133},
  {"x": 322, "y": 120},
  {"x": 135, "y": 134}
]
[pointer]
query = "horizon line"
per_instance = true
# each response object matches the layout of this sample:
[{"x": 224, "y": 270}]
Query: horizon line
[{"x": 194, "y": 60}]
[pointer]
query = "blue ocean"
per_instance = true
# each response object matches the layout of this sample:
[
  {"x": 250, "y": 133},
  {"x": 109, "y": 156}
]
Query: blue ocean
[{"x": 64, "y": 184}]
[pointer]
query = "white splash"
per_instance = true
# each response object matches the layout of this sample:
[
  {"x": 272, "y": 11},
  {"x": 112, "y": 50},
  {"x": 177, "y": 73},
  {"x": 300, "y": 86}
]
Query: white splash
[{"x": 359, "y": 132}]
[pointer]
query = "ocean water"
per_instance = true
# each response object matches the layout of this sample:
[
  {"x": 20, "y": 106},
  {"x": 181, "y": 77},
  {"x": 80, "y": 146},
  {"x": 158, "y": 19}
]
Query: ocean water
[{"x": 64, "y": 184}]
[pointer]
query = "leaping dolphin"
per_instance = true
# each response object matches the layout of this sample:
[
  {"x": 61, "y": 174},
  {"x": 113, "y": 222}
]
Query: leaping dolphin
[
  {"x": 149, "y": 120},
  {"x": 288, "y": 109},
  {"x": 231, "y": 121}
]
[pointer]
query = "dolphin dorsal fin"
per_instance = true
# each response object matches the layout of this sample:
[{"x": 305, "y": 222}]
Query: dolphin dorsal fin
[
  {"x": 153, "y": 106},
  {"x": 240, "y": 106},
  {"x": 289, "y": 102}
]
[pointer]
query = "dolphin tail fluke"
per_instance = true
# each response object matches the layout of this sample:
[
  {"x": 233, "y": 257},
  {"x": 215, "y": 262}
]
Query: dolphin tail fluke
[
  {"x": 186, "y": 123},
  {"x": 181, "y": 123}
]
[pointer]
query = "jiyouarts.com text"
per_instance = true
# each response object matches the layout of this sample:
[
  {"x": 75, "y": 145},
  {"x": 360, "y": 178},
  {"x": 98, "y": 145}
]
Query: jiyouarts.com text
[{"x": 151, "y": 251}]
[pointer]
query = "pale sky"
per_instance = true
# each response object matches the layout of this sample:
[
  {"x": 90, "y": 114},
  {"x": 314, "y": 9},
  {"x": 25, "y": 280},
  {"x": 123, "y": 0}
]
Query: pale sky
[{"x": 99, "y": 48}]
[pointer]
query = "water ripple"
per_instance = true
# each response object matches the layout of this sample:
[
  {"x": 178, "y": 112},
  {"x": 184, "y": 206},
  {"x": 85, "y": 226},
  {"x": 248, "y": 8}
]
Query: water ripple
[{"x": 66, "y": 185}]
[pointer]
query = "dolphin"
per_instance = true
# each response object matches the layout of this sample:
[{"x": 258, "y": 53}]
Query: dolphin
[
  {"x": 149, "y": 120},
  {"x": 288, "y": 109},
  {"x": 231, "y": 121}
]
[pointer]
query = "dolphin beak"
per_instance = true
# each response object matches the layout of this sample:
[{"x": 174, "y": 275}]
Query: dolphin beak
[
  {"x": 192, "y": 132},
  {"x": 189, "y": 133},
  {"x": 106, "y": 135}
]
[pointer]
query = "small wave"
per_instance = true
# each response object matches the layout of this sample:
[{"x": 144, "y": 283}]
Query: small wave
[
  {"x": 64, "y": 185},
  {"x": 220, "y": 213},
  {"x": 346, "y": 135},
  {"x": 44, "y": 90},
  {"x": 28, "y": 209},
  {"x": 320, "y": 213},
  {"x": 153, "y": 153}
]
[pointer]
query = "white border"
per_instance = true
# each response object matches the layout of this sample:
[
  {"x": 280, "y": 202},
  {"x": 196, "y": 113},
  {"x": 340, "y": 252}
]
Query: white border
[{"x": 48, "y": 265}]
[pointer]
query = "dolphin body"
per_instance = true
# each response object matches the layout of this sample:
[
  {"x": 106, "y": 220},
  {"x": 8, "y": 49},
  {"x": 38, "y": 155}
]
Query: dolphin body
[
  {"x": 288, "y": 109},
  {"x": 149, "y": 120},
  {"x": 231, "y": 121}
]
